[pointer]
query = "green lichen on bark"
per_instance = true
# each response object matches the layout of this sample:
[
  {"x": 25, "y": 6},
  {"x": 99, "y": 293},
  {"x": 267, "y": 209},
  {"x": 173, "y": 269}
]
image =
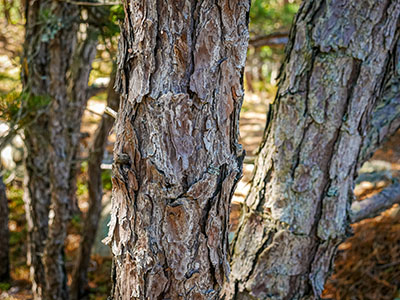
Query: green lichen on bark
[{"x": 297, "y": 211}]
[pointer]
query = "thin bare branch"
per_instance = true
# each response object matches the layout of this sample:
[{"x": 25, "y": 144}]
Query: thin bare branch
[
  {"x": 94, "y": 90},
  {"x": 109, "y": 111},
  {"x": 84, "y": 3},
  {"x": 374, "y": 205},
  {"x": 277, "y": 39}
]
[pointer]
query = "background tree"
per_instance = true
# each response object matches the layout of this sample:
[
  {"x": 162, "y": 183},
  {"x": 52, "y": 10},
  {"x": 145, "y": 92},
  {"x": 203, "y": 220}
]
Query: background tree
[
  {"x": 79, "y": 288},
  {"x": 22, "y": 110},
  {"x": 339, "y": 69},
  {"x": 4, "y": 234},
  {"x": 177, "y": 158},
  {"x": 269, "y": 31},
  {"x": 56, "y": 67}
]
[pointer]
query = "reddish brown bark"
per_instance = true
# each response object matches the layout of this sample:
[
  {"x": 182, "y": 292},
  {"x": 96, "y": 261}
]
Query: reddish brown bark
[{"x": 177, "y": 158}]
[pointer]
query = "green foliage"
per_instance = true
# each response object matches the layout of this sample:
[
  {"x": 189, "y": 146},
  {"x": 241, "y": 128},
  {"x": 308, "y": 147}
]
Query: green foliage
[
  {"x": 11, "y": 10},
  {"x": 76, "y": 223},
  {"x": 82, "y": 189},
  {"x": 21, "y": 108},
  {"x": 268, "y": 16},
  {"x": 14, "y": 195},
  {"x": 106, "y": 180},
  {"x": 18, "y": 232},
  {"x": 52, "y": 24},
  {"x": 5, "y": 286},
  {"x": 106, "y": 19},
  {"x": 16, "y": 237},
  {"x": 111, "y": 25},
  {"x": 84, "y": 166}
]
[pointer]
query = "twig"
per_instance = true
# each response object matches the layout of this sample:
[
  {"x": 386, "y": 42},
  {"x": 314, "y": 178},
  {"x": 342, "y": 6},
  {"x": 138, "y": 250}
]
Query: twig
[
  {"x": 93, "y": 112},
  {"x": 109, "y": 111},
  {"x": 84, "y": 3},
  {"x": 277, "y": 39}
]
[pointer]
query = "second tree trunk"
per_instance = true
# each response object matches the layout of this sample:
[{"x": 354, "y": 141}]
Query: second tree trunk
[{"x": 340, "y": 58}]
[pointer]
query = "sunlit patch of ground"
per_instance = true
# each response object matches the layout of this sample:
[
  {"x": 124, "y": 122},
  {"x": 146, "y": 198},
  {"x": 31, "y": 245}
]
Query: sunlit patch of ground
[{"x": 368, "y": 263}]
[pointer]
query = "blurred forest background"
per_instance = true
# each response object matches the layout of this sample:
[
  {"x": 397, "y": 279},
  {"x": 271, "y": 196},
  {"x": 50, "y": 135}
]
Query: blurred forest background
[{"x": 368, "y": 263}]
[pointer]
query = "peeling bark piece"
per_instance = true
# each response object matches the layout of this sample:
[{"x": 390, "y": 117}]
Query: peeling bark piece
[
  {"x": 180, "y": 75},
  {"x": 338, "y": 78}
]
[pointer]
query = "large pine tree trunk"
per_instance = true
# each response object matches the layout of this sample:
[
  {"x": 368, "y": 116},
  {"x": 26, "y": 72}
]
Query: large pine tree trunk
[
  {"x": 56, "y": 70},
  {"x": 340, "y": 60},
  {"x": 177, "y": 158},
  {"x": 4, "y": 234}
]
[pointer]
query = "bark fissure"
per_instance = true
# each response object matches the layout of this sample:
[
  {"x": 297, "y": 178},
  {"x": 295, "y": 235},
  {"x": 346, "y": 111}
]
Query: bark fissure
[
  {"x": 53, "y": 73},
  {"x": 303, "y": 178},
  {"x": 185, "y": 160}
]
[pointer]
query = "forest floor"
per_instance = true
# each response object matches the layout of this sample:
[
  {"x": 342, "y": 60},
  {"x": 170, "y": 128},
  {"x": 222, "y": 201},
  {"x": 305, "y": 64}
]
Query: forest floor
[{"x": 367, "y": 265}]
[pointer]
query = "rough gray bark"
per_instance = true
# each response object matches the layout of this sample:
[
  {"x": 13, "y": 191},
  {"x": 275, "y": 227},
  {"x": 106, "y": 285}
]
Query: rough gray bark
[
  {"x": 79, "y": 288},
  {"x": 51, "y": 72},
  {"x": 37, "y": 182},
  {"x": 177, "y": 158},
  {"x": 339, "y": 59},
  {"x": 4, "y": 234},
  {"x": 385, "y": 119},
  {"x": 37, "y": 200}
]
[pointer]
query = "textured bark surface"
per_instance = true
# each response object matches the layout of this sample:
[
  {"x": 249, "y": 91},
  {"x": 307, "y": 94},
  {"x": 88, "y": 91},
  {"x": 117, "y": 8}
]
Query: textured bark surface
[
  {"x": 177, "y": 158},
  {"x": 340, "y": 58},
  {"x": 37, "y": 194},
  {"x": 37, "y": 200},
  {"x": 4, "y": 234},
  {"x": 79, "y": 288},
  {"x": 385, "y": 119},
  {"x": 53, "y": 69}
]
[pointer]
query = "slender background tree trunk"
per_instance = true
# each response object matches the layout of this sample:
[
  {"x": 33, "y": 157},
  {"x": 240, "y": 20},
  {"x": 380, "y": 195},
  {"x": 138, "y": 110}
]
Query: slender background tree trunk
[
  {"x": 35, "y": 77},
  {"x": 340, "y": 58},
  {"x": 56, "y": 67},
  {"x": 4, "y": 234},
  {"x": 79, "y": 288},
  {"x": 177, "y": 158}
]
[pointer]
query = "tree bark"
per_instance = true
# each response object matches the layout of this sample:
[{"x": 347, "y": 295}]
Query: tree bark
[
  {"x": 37, "y": 196},
  {"x": 79, "y": 288},
  {"x": 37, "y": 200},
  {"x": 55, "y": 71},
  {"x": 177, "y": 158},
  {"x": 4, "y": 234},
  {"x": 339, "y": 58}
]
